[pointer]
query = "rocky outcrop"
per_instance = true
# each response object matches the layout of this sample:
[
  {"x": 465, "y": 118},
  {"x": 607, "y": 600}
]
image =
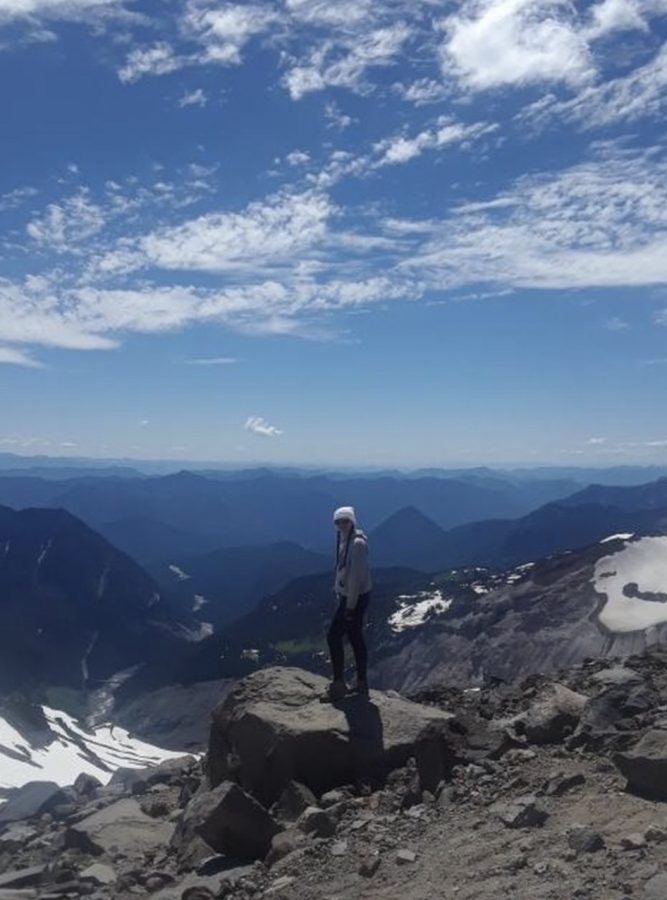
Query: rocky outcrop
[
  {"x": 645, "y": 764},
  {"x": 272, "y": 728}
]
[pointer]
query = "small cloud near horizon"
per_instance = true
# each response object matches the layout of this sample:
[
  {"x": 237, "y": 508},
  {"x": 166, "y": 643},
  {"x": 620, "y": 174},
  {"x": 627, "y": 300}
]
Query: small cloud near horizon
[
  {"x": 259, "y": 425},
  {"x": 213, "y": 361}
]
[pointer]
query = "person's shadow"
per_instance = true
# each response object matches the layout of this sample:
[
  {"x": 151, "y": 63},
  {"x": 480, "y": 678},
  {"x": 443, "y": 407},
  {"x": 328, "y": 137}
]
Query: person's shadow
[{"x": 366, "y": 734}]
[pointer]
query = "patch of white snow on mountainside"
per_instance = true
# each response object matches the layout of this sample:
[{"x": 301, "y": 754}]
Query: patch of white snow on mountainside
[
  {"x": 179, "y": 573},
  {"x": 617, "y": 537},
  {"x": 634, "y": 581},
  {"x": 72, "y": 750},
  {"x": 415, "y": 608}
]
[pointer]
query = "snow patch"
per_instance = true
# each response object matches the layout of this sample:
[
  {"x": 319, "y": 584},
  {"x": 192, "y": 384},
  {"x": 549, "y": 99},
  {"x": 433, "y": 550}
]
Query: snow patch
[
  {"x": 415, "y": 608},
  {"x": 44, "y": 550},
  {"x": 73, "y": 750},
  {"x": 617, "y": 537},
  {"x": 634, "y": 581},
  {"x": 179, "y": 573}
]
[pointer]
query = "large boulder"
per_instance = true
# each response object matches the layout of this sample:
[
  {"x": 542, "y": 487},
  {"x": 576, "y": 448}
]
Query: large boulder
[
  {"x": 552, "y": 715},
  {"x": 645, "y": 764},
  {"x": 229, "y": 821},
  {"x": 32, "y": 799},
  {"x": 121, "y": 828},
  {"x": 272, "y": 728}
]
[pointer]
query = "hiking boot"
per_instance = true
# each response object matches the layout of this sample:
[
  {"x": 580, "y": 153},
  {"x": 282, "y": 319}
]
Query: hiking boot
[
  {"x": 361, "y": 688},
  {"x": 337, "y": 690}
]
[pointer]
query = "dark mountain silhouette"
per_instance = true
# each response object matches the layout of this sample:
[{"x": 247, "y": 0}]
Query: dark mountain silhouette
[
  {"x": 74, "y": 609},
  {"x": 408, "y": 538},
  {"x": 231, "y": 581},
  {"x": 651, "y": 495}
]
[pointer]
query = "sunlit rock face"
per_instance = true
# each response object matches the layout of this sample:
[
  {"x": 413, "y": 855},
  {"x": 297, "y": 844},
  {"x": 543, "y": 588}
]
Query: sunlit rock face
[{"x": 609, "y": 599}]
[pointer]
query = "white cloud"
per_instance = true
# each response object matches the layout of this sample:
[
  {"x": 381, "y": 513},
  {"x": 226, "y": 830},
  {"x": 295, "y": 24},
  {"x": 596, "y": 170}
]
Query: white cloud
[
  {"x": 423, "y": 91},
  {"x": 596, "y": 441},
  {"x": 194, "y": 98},
  {"x": 445, "y": 133},
  {"x": 223, "y": 31},
  {"x": 496, "y": 43},
  {"x": 32, "y": 312},
  {"x": 267, "y": 233},
  {"x": 616, "y": 15},
  {"x": 258, "y": 425},
  {"x": 13, "y": 357},
  {"x": 213, "y": 361},
  {"x": 600, "y": 223},
  {"x": 297, "y": 158},
  {"x": 615, "y": 323},
  {"x": 641, "y": 94},
  {"x": 16, "y": 198},
  {"x": 66, "y": 224},
  {"x": 345, "y": 64},
  {"x": 34, "y": 13},
  {"x": 160, "y": 59},
  {"x": 336, "y": 118}
]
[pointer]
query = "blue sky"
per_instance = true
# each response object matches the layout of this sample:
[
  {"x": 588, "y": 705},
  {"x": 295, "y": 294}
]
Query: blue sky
[{"x": 372, "y": 232}]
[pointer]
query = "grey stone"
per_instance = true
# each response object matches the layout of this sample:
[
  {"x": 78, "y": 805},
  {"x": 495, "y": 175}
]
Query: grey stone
[
  {"x": 633, "y": 842},
  {"x": 292, "y": 802},
  {"x": 616, "y": 675},
  {"x": 655, "y": 888},
  {"x": 316, "y": 821},
  {"x": 284, "y": 843},
  {"x": 19, "y": 878},
  {"x": 99, "y": 873},
  {"x": 655, "y": 834},
  {"x": 524, "y": 812},
  {"x": 123, "y": 826},
  {"x": 331, "y": 798},
  {"x": 86, "y": 785},
  {"x": 16, "y": 835},
  {"x": 552, "y": 715},
  {"x": 229, "y": 821},
  {"x": 339, "y": 848},
  {"x": 404, "y": 857},
  {"x": 33, "y": 799},
  {"x": 369, "y": 865},
  {"x": 561, "y": 784},
  {"x": 645, "y": 764},
  {"x": 584, "y": 839}
]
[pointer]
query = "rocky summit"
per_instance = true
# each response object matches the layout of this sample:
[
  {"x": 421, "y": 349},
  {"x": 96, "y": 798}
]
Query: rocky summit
[{"x": 552, "y": 787}]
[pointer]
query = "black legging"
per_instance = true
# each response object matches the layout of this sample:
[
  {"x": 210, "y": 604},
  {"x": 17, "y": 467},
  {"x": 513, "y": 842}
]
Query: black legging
[{"x": 353, "y": 627}]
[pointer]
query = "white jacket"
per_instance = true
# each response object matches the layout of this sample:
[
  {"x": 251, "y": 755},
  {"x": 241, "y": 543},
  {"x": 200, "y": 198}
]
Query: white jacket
[{"x": 353, "y": 574}]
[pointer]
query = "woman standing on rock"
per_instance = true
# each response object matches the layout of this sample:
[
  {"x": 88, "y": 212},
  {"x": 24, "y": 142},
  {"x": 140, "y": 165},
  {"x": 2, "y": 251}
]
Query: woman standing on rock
[{"x": 352, "y": 587}]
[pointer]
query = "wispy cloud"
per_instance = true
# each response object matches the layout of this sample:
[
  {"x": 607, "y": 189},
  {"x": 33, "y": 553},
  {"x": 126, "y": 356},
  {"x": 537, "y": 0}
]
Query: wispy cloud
[
  {"x": 599, "y": 223},
  {"x": 640, "y": 94},
  {"x": 258, "y": 425},
  {"x": 14, "y": 357},
  {"x": 67, "y": 224},
  {"x": 615, "y": 323},
  {"x": 445, "y": 133},
  {"x": 197, "y": 97},
  {"x": 345, "y": 63},
  {"x": 213, "y": 361}
]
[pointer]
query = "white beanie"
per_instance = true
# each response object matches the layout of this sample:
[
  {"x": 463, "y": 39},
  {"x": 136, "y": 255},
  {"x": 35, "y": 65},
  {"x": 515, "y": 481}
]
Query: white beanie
[{"x": 345, "y": 512}]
